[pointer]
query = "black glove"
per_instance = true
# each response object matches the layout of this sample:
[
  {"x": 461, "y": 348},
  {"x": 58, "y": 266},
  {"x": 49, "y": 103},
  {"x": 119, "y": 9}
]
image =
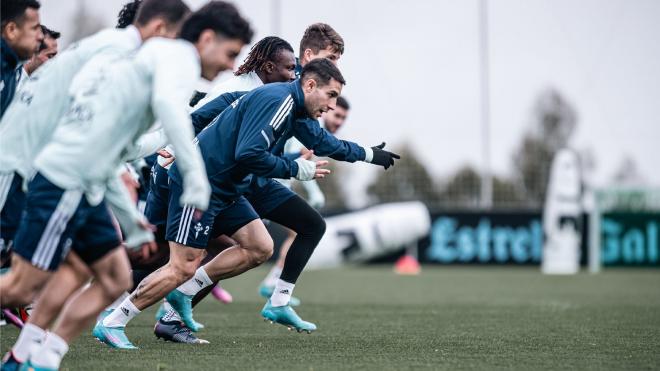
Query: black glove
[{"x": 383, "y": 158}]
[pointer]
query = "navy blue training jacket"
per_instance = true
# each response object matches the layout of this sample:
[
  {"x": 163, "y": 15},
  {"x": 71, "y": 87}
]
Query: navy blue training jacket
[
  {"x": 247, "y": 138},
  {"x": 10, "y": 73}
]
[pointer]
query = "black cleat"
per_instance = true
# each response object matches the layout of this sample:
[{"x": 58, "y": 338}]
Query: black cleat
[{"x": 177, "y": 332}]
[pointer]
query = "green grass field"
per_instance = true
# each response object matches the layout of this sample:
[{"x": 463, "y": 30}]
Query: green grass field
[{"x": 446, "y": 318}]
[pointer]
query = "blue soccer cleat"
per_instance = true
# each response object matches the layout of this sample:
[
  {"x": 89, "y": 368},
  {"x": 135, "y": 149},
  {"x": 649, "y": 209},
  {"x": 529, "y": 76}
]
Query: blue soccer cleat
[
  {"x": 161, "y": 312},
  {"x": 28, "y": 366},
  {"x": 285, "y": 315},
  {"x": 182, "y": 304},
  {"x": 104, "y": 314},
  {"x": 266, "y": 291},
  {"x": 113, "y": 336},
  {"x": 9, "y": 363}
]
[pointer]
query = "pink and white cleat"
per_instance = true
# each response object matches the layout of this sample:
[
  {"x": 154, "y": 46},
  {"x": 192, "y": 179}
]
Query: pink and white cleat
[{"x": 221, "y": 294}]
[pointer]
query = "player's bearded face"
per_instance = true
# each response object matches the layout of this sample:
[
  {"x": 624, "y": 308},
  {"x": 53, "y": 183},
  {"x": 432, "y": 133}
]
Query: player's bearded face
[{"x": 320, "y": 99}]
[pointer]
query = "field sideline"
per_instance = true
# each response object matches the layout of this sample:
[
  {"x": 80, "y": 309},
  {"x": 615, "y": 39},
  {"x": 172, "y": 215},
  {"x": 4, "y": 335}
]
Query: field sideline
[{"x": 447, "y": 318}]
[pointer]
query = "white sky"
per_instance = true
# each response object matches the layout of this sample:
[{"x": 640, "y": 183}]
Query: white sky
[{"x": 413, "y": 73}]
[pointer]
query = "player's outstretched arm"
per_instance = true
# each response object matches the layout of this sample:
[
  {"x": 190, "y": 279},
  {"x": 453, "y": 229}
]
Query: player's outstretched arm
[{"x": 313, "y": 136}]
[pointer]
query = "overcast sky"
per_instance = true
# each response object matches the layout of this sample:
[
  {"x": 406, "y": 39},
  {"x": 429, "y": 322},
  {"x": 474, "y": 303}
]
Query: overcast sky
[{"x": 413, "y": 72}]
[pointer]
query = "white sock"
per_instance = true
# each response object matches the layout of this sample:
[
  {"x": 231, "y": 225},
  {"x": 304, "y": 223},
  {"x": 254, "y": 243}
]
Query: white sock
[
  {"x": 118, "y": 302},
  {"x": 273, "y": 276},
  {"x": 51, "y": 353},
  {"x": 30, "y": 337},
  {"x": 199, "y": 281},
  {"x": 122, "y": 314},
  {"x": 282, "y": 293}
]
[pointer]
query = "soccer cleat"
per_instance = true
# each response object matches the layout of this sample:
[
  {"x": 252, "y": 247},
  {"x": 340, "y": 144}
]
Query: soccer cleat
[
  {"x": 177, "y": 332},
  {"x": 221, "y": 294},
  {"x": 9, "y": 363},
  {"x": 182, "y": 304},
  {"x": 266, "y": 291},
  {"x": 28, "y": 366},
  {"x": 113, "y": 336},
  {"x": 104, "y": 314},
  {"x": 285, "y": 315},
  {"x": 161, "y": 312}
]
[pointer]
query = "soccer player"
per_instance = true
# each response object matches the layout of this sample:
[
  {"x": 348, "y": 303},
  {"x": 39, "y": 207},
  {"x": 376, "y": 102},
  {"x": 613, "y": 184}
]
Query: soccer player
[
  {"x": 28, "y": 126},
  {"x": 270, "y": 60},
  {"x": 111, "y": 107},
  {"x": 331, "y": 121},
  {"x": 241, "y": 146},
  {"x": 47, "y": 50},
  {"x": 320, "y": 40},
  {"x": 30, "y": 121},
  {"x": 21, "y": 37}
]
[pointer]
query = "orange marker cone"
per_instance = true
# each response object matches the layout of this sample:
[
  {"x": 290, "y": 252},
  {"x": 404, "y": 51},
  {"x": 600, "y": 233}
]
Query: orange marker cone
[{"x": 407, "y": 265}]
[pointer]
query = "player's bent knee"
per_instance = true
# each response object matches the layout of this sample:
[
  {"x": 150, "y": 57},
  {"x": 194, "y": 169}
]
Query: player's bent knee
[
  {"x": 185, "y": 270},
  {"x": 263, "y": 250}
]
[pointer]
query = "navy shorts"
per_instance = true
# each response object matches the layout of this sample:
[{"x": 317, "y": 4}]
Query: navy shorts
[
  {"x": 54, "y": 218},
  {"x": 12, "y": 204},
  {"x": 222, "y": 217},
  {"x": 158, "y": 197},
  {"x": 265, "y": 195}
]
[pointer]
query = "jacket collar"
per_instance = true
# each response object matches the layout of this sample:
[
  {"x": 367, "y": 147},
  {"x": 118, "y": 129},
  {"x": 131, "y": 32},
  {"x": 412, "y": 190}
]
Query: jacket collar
[
  {"x": 8, "y": 55},
  {"x": 299, "y": 98}
]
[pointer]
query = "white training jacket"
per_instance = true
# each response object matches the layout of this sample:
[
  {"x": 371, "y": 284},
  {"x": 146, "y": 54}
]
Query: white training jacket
[
  {"x": 113, "y": 106},
  {"x": 43, "y": 99}
]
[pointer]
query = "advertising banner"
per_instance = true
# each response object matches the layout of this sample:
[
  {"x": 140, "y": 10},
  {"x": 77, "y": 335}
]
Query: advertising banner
[
  {"x": 485, "y": 238},
  {"x": 630, "y": 239}
]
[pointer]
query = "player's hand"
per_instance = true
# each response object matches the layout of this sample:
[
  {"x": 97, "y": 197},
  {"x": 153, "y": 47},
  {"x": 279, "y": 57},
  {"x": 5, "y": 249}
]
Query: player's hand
[
  {"x": 196, "y": 192},
  {"x": 165, "y": 154},
  {"x": 308, "y": 170},
  {"x": 132, "y": 185},
  {"x": 141, "y": 244},
  {"x": 382, "y": 157}
]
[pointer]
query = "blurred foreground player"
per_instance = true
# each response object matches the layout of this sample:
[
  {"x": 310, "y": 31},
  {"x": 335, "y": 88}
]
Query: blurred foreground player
[
  {"x": 119, "y": 103},
  {"x": 26, "y": 129}
]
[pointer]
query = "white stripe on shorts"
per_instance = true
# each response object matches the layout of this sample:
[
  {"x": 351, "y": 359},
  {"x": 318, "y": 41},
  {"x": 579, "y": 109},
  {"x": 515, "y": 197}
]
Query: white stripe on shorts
[
  {"x": 184, "y": 224},
  {"x": 50, "y": 238}
]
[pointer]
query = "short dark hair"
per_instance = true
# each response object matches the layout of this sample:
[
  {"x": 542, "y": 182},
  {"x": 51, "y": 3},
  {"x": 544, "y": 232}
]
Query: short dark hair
[
  {"x": 50, "y": 33},
  {"x": 219, "y": 16},
  {"x": 173, "y": 11},
  {"x": 322, "y": 70},
  {"x": 319, "y": 36},
  {"x": 343, "y": 103},
  {"x": 14, "y": 10},
  {"x": 263, "y": 51},
  {"x": 47, "y": 33},
  {"x": 126, "y": 15}
]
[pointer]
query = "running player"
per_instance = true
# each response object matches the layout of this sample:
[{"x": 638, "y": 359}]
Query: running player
[
  {"x": 241, "y": 149},
  {"x": 111, "y": 107},
  {"x": 270, "y": 60},
  {"x": 29, "y": 123}
]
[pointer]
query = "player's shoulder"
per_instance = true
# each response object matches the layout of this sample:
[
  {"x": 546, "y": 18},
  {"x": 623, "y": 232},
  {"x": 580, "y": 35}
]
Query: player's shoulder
[
  {"x": 164, "y": 46},
  {"x": 276, "y": 91}
]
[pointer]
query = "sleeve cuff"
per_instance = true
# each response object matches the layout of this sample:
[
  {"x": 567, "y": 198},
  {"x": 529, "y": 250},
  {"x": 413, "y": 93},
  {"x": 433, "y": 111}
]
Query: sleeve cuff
[{"x": 368, "y": 154}]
